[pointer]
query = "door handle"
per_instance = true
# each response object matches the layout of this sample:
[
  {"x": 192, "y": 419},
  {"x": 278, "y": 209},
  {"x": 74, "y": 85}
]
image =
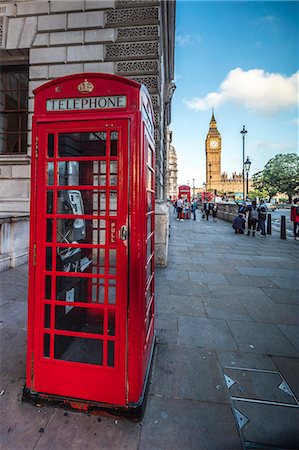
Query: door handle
[{"x": 124, "y": 233}]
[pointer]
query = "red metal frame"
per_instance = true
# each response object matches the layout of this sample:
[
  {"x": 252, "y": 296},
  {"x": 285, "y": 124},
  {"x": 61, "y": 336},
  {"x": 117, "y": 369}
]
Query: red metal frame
[{"x": 122, "y": 330}]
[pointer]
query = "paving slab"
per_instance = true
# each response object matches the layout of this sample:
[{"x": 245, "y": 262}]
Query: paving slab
[
  {"x": 264, "y": 338},
  {"x": 264, "y": 310},
  {"x": 188, "y": 373},
  {"x": 13, "y": 291},
  {"x": 245, "y": 280},
  {"x": 228, "y": 308},
  {"x": 203, "y": 332},
  {"x": 181, "y": 304},
  {"x": 285, "y": 296},
  {"x": 221, "y": 268},
  {"x": 189, "y": 289},
  {"x": 286, "y": 282},
  {"x": 13, "y": 314},
  {"x": 21, "y": 423},
  {"x": 245, "y": 360},
  {"x": 240, "y": 292},
  {"x": 71, "y": 430},
  {"x": 186, "y": 424},
  {"x": 176, "y": 275},
  {"x": 292, "y": 333},
  {"x": 208, "y": 278},
  {"x": 166, "y": 326}
]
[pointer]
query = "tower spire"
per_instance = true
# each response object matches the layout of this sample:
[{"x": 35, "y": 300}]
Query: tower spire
[{"x": 213, "y": 123}]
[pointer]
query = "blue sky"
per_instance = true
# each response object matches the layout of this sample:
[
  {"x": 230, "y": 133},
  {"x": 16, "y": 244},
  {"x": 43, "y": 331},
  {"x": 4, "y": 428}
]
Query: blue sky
[{"x": 240, "y": 57}]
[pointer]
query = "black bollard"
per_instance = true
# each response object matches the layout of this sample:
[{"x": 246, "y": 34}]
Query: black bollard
[
  {"x": 283, "y": 233},
  {"x": 269, "y": 224}
]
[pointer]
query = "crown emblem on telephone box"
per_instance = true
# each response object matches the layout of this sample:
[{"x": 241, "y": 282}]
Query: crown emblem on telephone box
[{"x": 85, "y": 86}]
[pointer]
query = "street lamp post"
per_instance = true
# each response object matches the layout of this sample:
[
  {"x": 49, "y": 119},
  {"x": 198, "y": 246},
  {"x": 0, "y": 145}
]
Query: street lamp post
[
  {"x": 243, "y": 132},
  {"x": 247, "y": 165}
]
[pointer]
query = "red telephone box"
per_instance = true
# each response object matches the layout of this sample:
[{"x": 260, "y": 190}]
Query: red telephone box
[
  {"x": 184, "y": 192},
  {"x": 91, "y": 274}
]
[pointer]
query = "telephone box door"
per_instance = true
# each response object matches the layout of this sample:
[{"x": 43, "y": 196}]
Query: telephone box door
[{"x": 81, "y": 266}]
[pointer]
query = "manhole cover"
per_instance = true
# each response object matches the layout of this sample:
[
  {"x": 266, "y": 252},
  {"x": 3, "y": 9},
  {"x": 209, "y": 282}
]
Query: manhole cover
[{"x": 258, "y": 385}]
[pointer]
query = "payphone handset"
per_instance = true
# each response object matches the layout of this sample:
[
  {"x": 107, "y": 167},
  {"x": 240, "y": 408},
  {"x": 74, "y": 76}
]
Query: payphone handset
[{"x": 70, "y": 202}]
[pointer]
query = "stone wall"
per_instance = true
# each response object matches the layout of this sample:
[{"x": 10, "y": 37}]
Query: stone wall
[
  {"x": 227, "y": 211},
  {"x": 14, "y": 234},
  {"x": 161, "y": 234}
]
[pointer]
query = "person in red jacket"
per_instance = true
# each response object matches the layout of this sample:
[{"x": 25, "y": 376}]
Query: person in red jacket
[{"x": 295, "y": 217}]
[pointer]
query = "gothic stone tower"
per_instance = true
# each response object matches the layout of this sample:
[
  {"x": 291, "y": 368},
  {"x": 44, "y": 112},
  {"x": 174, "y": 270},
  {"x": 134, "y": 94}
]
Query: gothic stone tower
[{"x": 213, "y": 156}]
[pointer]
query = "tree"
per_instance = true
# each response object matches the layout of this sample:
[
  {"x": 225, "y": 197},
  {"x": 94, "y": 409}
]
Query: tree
[
  {"x": 260, "y": 193},
  {"x": 280, "y": 174},
  {"x": 263, "y": 186}
]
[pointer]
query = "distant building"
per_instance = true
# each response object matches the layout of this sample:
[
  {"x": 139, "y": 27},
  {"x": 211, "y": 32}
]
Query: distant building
[
  {"x": 215, "y": 180},
  {"x": 172, "y": 169}
]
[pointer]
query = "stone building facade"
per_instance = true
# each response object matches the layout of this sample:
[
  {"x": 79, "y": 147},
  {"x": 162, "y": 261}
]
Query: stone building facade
[
  {"x": 215, "y": 180},
  {"x": 41, "y": 40},
  {"x": 172, "y": 169}
]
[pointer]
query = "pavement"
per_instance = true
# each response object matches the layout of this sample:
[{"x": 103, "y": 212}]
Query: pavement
[{"x": 225, "y": 369}]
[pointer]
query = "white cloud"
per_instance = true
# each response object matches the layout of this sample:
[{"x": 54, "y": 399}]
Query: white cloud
[
  {"x": 276, "y": 147},
  {"x": 183, "y": 39},
  {"x": 295, "y": 121},
  {"x": 269, "y": 18},
  {"x": 254, "y": 89}
]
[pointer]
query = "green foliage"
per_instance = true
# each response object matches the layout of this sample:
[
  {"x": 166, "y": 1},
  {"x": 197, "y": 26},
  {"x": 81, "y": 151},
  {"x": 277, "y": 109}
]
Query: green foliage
[
  {"x": 280, "y": 174},
  {"x": 257, "y": 193}
]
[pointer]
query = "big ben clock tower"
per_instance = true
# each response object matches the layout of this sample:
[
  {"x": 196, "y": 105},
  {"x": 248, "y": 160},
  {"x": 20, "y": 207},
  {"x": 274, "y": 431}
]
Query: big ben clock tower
[{"x": 213, "y": 156}]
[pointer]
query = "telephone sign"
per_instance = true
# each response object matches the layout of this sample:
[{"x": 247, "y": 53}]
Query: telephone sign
[{"x": 71, "y": 104}]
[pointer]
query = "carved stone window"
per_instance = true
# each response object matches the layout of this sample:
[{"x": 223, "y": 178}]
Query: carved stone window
[
  {"x": 136, "y": 15},
  {"x": 126, "y": 67},
  {"x": 152, "y": 83},
  {"x": 134, "y": 49},
  {"x": 121, "y": 3},
  {"x": 1, "y": 32},
  {"x": 137, "y": 33}
]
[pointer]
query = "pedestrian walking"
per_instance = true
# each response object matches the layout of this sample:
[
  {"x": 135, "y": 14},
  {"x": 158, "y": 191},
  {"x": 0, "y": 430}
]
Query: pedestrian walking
[
  {"x": 207, "y": 208},
  {"x": 252, "y": 218},
  {"x": 295, "y": 218},
  {"x": 193, "y": 208},
  {"x": 179, "y": 208},
  {"x": 186, "y": 209},
  {"x": 262, "y": 217},
  {"x": 174, "y": 205},
  {"x": 214, "y": 211}
]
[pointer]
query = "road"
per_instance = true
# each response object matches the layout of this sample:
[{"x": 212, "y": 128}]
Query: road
[{"x": 276, "y": 221}]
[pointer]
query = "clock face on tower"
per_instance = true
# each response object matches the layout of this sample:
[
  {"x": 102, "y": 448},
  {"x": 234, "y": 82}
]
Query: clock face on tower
[{"x": 214, "y": 143}]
